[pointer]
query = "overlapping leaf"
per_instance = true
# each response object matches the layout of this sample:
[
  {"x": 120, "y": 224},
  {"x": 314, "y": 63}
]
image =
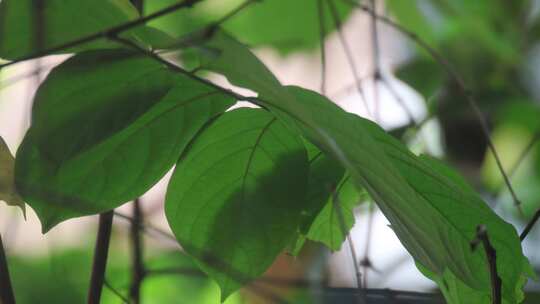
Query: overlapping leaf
[
  {"x": 236, "y": 196},
  {"x": 8, "y": 193},
  {"x": 434, "y": 217},
  {"x": 334, "y": 221},
  {"x": 107, "y": 125}
]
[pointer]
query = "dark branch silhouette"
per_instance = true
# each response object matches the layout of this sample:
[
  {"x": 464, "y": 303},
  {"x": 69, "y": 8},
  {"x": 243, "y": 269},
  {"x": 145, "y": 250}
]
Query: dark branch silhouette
[
  {"x": 482, "y": 238},
  {"x": 101, "y": 253}
]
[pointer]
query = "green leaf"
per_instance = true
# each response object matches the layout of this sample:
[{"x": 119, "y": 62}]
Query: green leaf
[
  {"x": 107, "y": 125},
  {"x": 333, "y": 222},
  {"x": 324, "y": 175},
  {"x": 284, "y": 25},
  {"x": 423, "y": 75},
  {"x": 410, "y": 15},
  {"x": 8, "y": 192},
  {"x": 236, "y": 196},
  {"x": 64, "y": 21},
  {"x": 434, "y": 217}
]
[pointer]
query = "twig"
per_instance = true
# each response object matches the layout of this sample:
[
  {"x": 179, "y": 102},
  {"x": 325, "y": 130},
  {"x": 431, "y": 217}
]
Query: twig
[
  {"x": 101, "y": 253},
  {"x": 137, "y": 254},
  {"x": 337, "y": 207},
  {"x": 147, "y": 228},
  {"x": 491, "y": 254},
  {"x": 376, "y": 62},
  {"x": 517, "y": 164},
  {"x": 460, "y": 83},
  {"x": 233, "y": 13},
  {"x": 115, "y": 291},
  {"x": 113, "y": 31},
  {"x": 348, "y": 53},
  {"x": 322, "y": 45},
  {"x": 366, "y": 261},
  {"x": 6, "y": 290},
  {"x": 530, "y": 225},
  {"x": 4, "y": 84}
]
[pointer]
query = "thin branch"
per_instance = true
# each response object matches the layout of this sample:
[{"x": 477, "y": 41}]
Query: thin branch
[
  {"x": 137, "y": 254},
  {"x": 101, "y": 253},
  {"x": 496, "y": 283},
  {"x": 460, "y": 83},
  {"x": 146, "y": 227},
  {"x": 376, "y": 62},
  {"x": 348, "y": 53},
  {"x": 399, "y": 100},
  {"x": 366, "y": 261},
  {"x": 523, "y": 155},
  {"x": 115, "y": 291},
  {"x": 233, "y": 13},
  {"x": 113, "y": 31},
  {"x": 416, "y": 126},
  {"x": 530, "y": 225},
  {"x": 4, "y": 84},
  {"x": 337, "y": 207},
  {"x": 6, "y": 290},
  {"x": 322, "y": 45}
]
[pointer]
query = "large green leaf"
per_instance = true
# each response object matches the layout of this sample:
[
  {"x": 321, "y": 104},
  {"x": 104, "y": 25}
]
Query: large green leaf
[
  {"x": 63, "y": 21},
  {"x": 434, "y": 217},
  {"x": 284, "y": 25},
  {"x": 235, "y": 198},
  {"x": 8, "y": 193},
  {"x": 107, "y": 125}
]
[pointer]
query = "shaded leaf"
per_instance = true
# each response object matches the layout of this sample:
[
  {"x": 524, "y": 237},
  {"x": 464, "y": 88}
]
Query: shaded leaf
[
  {"x": 434, "y": 218},
  {"x": 64, "y": 21},
  {"x": 107, "y": 125},
  {"x": 236, "y": 196},
  {"x": 324, "y": 175},
  {"x": 8, "y": 192},
  {"x": 334, "y": 221}
]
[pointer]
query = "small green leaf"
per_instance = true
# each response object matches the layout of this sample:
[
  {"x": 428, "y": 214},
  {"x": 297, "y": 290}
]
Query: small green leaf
[
  {"x": 8, "y": 192},
  {"x": 334, "y": 221},
  {"x": 64, "y": 21},
  {"x": 324, "y": 175},
  {"x": 235, "y": 198},
  {"x": 107, "y": 125}
]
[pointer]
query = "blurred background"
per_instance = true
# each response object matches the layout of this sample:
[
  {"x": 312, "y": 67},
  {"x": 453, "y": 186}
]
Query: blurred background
[{"x": 493, "y": 45}]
